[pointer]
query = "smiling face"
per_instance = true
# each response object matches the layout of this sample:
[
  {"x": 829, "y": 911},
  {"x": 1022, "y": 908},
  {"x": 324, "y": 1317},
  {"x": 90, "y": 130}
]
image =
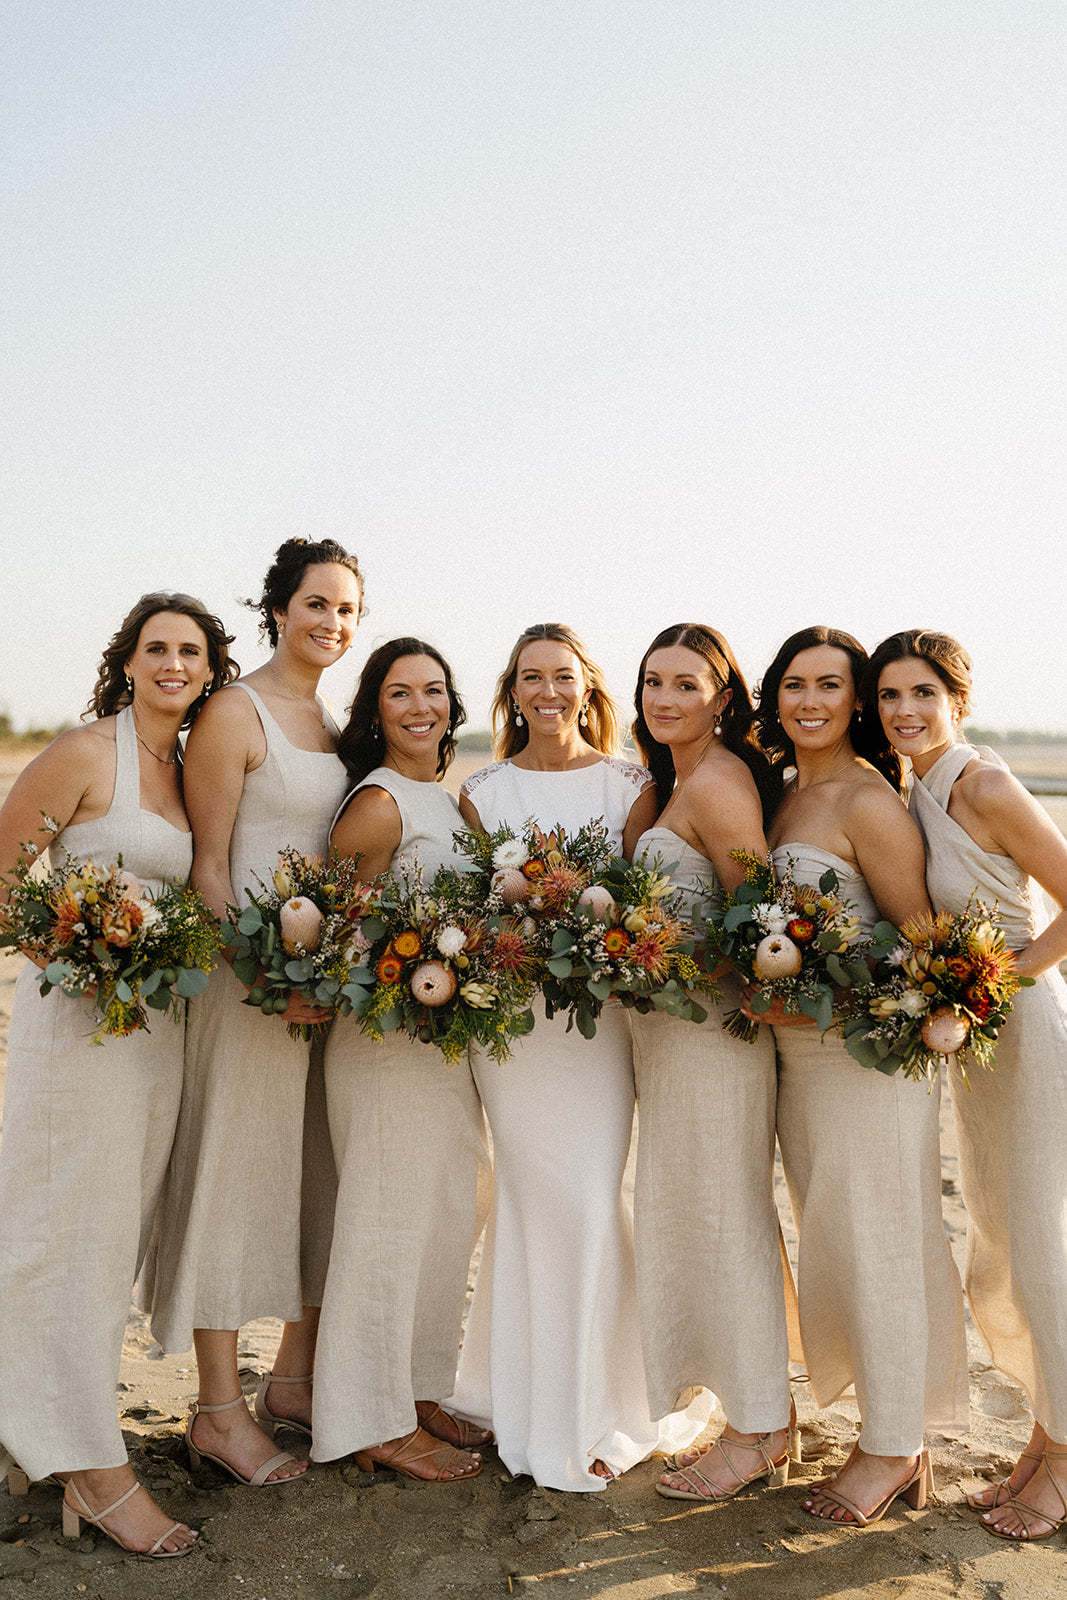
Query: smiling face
[
  {"x": 681, "y": 699},
  {"x": 170, "y": 664},
  {"x": 550, "y": 688},
  {"x": 319, "y": 623},
  {"x": 816, "y": 698},
  {"x": 413, "y": 709},
  {"x": 918, "y": 712}
]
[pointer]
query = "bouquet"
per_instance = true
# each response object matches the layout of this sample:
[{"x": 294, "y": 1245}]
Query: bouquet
[
  {"x": 447, "y": 970},
  {"x": 791, "y": 941},
  {"x": 304, "y": 935},
  {"x": 600, "y": 926},
  {"x": 104, "y": 936},
  {"x": 945, "y": 989}
]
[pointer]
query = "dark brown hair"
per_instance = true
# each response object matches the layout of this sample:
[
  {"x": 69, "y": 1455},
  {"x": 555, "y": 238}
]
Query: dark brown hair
[
  {"x": 362, "y": 743},
  {"x": 111, "y": 692},
  {"x": 286, "y": 573},
  {"x": 868, "y": 737},
  {"x": 735, "y": 719},
  {"x": 602, "y": 730}
]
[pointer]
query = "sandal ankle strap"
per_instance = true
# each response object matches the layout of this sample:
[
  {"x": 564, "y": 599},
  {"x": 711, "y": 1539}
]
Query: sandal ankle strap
[
  {"x": 198, "y": 1405},
  {"x": 276, "y": 1377}
]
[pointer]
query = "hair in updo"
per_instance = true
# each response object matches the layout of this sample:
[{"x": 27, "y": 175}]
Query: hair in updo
[
  {"x": 362, "y": 744},
  {"x": 286, "y": 573},
  {"x": 867, "y": 735},
  {"x": 945, "y": 655},
  {"x": 111, "y": 693},
  {"x": 602, "y": 729},
  {"x": 735, "y": 719}
]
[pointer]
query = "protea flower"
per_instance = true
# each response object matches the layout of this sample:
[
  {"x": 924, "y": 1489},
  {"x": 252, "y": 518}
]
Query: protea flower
[
  {"x": 945, "y": 1032},
  {"x": 301, "y": 924},
  {"x": 776, "y": 957},
  {"x": 599, "y": 901},
  {"x": 433, "y": 984}
]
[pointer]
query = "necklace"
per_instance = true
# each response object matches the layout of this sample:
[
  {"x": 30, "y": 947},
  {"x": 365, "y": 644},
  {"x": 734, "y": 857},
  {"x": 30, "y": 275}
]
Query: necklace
[
  {"x": 161, "y": 759},
  {"x": 793, "y": 786},
  {"x": 301, "y": 700}
]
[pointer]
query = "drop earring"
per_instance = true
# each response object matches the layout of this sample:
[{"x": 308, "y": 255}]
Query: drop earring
[
  {"x": 129, "y": 683},
  {"x": 584, "y": 718},
  {"x": 518, "y": 715}
]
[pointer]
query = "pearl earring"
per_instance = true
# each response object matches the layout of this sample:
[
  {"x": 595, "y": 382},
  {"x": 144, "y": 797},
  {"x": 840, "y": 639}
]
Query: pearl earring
[
  {"x": 518, "y": 717},
  {"x": 584, "y": 718},
  {"x": 129, "y": 683}
]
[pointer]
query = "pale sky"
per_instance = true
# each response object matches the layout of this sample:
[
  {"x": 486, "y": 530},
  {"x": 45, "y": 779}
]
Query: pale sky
[{"x": 618, "y": 314}]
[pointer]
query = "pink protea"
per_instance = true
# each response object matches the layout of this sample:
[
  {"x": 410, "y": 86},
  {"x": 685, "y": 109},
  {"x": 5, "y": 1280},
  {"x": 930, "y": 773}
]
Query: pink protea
[
  {"x": 945, "y": 1032},
  {"x": 599, "y": 901},
  {"x": 433, "y": 984},
  {"x": 301, "y": 924},
  {"x": 512, "y": 885}
]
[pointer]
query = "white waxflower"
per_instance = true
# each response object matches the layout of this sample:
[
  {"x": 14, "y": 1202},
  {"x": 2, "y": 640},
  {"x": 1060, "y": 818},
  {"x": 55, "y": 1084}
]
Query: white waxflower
[
  {"x": 450, "y": 940},
  {"x": 511, "y": 853}
]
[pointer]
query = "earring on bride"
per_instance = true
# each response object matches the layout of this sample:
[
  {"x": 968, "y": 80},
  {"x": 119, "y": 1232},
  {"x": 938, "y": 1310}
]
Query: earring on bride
[
  {"x": 518, "y": 715},
  {"x": 584, "y": 718}
]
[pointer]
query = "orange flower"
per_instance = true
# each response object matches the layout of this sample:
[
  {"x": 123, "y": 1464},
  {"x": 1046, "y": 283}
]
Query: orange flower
[
  {"x": 407, "y": 944},
  {"x": 510, "y": 954},
  {"x": 533, "y": 870},
  {"x": 389, "y": 968},
  {"x": 616, "y": 942},
  {"x": 647, "y": 952},
  {"x": 557, "y": 886},
  {"x": 120, "y": 923}
]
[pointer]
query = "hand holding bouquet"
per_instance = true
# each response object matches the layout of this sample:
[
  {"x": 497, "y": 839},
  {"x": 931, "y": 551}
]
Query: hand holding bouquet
[
  {"x": 448, "y": 970},
  {"x": 792, "y": 943},
  {"x": 303, "y": 935},
  {"x": 945, "y": 989},
  {"x": 102, "y": 936}
]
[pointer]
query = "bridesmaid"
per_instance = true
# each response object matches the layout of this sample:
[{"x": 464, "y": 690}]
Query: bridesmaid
[
  {"x": 553, "y": 1355},
  {"x": 984, "y": 832},
  {"x": 408, "y": 1131},
  {"x": 87, "y": 1130},
  {"x": 709, "y": 1272},
  {"x": 880, "y": 1300},
  {"x": 261, "y": 773}
]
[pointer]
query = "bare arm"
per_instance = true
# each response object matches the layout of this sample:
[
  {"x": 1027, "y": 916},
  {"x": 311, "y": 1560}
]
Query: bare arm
[
  {"x": 226, "y": 743},
  {"x": 469, "y": 814},
  {"x": 642, "y": 815},
  {"x": 1014, "y": 824},
  {"x": 725, "y": 814},
  {"x": 889, "y": 851},
  {"x": 73, "y": 780},
  {"x": 369, "y": 827}
]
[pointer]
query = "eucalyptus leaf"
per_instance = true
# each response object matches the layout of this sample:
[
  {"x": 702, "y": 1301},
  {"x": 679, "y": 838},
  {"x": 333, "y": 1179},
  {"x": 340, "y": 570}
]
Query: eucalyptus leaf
[
  {"x": 599, "y": 988},
  {"x": 123, "y": 992},
  {"x": 250, "y": 920},
  {"x": 191, "y": 982},
  {"x": 559, "y": 966}
]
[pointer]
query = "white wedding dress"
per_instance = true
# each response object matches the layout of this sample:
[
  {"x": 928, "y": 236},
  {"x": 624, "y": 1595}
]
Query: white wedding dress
[{"x": 552, "y": 1358}]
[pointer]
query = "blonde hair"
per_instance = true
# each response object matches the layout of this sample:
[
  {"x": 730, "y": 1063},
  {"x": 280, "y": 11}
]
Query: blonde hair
[{"x": 602, "y": 731}]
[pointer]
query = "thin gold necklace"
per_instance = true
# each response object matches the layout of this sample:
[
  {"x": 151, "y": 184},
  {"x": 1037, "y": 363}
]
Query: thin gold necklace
[
  {"x": 161, "y": 759},
  {"x": 793, "y": 786},
  {"x": 300, "y": 699}
]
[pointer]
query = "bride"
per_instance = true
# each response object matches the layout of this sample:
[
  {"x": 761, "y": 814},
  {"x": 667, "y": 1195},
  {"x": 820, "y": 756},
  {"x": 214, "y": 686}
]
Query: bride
[{"x": 552, "y": 1356}]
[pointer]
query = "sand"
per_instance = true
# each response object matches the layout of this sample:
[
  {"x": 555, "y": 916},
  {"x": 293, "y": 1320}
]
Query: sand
[{"x": 339, "y": 1534}]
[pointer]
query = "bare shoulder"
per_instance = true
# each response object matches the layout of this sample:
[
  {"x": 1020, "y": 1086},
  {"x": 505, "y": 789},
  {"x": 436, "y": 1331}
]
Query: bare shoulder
[
  {"x": 371, "y": 804},
  {"x": 871, "y": 802},
  {"x": 724, "y": 780},
  {"x": 227, "y": 709},
  {"x": 989, "y": 788}
]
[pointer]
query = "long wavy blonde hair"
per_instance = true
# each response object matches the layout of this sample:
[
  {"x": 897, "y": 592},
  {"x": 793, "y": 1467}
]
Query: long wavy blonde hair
[{"x": 602, "y": 731}]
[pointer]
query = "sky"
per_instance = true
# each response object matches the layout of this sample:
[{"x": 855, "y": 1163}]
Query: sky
[{"x": 618, "y": 314}]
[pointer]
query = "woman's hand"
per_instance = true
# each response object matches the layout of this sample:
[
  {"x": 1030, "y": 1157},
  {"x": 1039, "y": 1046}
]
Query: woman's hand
[
  {"x": 775, "y": 1014},
  {"x": 302, "y": 1011}
]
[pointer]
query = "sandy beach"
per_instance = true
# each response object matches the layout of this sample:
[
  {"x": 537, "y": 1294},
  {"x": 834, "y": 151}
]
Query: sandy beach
[{"x": 340, "y": 1534}]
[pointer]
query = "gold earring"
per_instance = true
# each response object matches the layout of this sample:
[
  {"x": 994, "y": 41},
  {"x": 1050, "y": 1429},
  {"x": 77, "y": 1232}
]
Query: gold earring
[
  {"x": 518, "y": 714},
  {"x": 129, "y": 683}
]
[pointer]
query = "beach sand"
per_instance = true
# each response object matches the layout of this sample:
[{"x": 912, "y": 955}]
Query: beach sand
[{"x": 339, "y": 1534}]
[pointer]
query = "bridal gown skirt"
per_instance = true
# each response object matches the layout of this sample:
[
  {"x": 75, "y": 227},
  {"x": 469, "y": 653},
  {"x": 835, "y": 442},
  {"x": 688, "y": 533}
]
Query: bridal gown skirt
[
  {"x": 409, "y": 1138},
  {"x": 87, "y": 1133},
  {"x": 552, "y": 1357},
  {"x": 881, "y": 1304},
  {"x": 715, "y": 1291}
]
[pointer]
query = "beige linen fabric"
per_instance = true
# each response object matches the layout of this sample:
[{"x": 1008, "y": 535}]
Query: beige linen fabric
[
  {"x": 1011, "y": 1124},
  {"x": 229, "y": 1237},
  {"x": 409, "y": 1139},
  {"x": 880, "y": 1299},
  {"x": 709, "y": 1269},
  {"x": 87, "y": 1133}
]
